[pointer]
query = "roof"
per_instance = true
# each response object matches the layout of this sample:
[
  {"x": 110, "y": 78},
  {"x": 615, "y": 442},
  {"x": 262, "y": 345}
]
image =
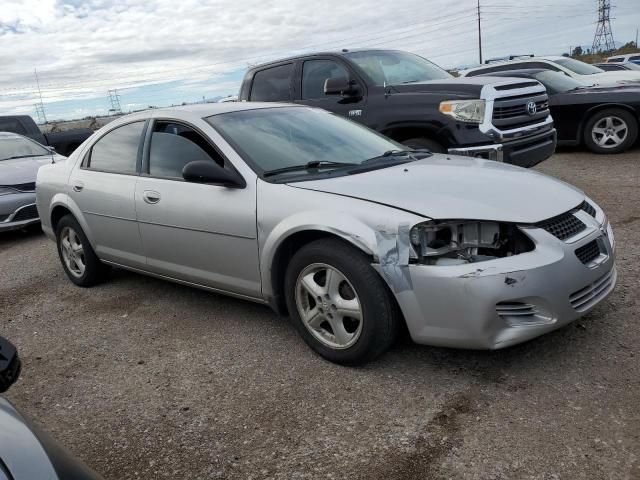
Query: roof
[
  {"x": 549, "y": 58},
  {"x": 342, "y": 52}
]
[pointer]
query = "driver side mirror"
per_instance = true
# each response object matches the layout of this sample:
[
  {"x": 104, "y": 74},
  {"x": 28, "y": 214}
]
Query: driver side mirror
[
  {"x": 206, "y": 171},
  {"x": 340, "y": 86},
  {"x": 10, "y": 365}
]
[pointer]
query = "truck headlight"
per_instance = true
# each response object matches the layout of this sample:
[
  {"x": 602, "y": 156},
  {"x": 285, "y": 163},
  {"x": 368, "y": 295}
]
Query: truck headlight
[
  {"x": 454, "y": 242},
  {"x": 471, "y": 111}
]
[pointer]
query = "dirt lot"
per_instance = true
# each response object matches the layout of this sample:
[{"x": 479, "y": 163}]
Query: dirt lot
[{"x": 146, "y": 379}]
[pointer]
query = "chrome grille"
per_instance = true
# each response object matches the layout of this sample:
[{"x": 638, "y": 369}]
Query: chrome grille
[
  {"x": 589, "y": 252},
  {"x": 512, "y": 112},
  {"x": 563, "y": 226},
  {"x": 587, "y": 297}
]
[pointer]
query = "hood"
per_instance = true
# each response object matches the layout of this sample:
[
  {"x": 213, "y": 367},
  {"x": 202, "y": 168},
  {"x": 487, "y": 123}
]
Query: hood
[
  {"x": 608, "y": 78},
  {"x": 23, "y": 170},
  {"x": 463, "y": 86},
  {"x": 452, "y": 187}
]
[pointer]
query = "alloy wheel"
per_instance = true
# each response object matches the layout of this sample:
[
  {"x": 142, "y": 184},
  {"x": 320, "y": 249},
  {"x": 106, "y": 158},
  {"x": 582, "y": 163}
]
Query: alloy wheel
[
  {"x": 610, "y": 132},
  {"x": 72, "y": 252},
  {"x": 329, "y": 306}
]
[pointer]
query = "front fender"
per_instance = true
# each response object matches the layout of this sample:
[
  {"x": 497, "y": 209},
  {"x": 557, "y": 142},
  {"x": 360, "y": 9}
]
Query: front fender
[{"x": 387, "y": 242}]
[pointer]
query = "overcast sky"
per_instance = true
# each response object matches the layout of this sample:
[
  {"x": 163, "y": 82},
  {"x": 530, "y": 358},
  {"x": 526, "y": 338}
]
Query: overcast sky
[{"x": 159, "y": 52}]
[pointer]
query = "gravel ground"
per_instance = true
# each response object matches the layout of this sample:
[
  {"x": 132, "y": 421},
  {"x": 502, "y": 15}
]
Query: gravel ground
[{"x": 146, "y": 379}]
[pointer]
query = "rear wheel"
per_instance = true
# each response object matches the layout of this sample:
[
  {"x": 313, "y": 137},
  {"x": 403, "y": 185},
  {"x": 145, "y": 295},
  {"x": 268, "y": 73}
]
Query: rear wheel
[
  {"x": 611, "y": 131},
  {"x": 78, "y": 259},
  {"x": 338, "y": 302},
  {"x": 427, "y": 143}
]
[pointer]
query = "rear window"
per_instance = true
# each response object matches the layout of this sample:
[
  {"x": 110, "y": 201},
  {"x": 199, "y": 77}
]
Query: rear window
[
  {"x": 11, "y": 125},
  {"x": 272, "y": 84}
]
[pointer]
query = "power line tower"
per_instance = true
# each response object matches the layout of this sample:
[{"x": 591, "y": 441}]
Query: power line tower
[
  {"x": 42, "y": 116},
  {"x": 603, "y": 39},
  {"x": 114, "y": 100}
]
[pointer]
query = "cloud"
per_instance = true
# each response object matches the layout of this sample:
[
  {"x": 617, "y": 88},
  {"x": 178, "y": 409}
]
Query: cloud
[{"x": 166, "y": 50}]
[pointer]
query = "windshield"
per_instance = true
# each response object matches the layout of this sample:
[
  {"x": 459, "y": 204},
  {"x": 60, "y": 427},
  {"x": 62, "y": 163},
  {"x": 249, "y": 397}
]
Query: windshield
[
  {"x": 556, "y": 82},
  {"x": 11, "y": 147},
  {"x": 275, "y": 138},
  {"x": 395, "y": 68},
  {"x": 578, "y": 67}
]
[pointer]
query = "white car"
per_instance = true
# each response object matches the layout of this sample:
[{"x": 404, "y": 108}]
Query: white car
[
  {"x": 634, "y": 57},
  {"x": 583, "y": 72}
]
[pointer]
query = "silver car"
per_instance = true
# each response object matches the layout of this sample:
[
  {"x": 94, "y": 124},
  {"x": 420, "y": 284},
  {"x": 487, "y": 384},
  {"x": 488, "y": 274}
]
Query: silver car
[
  {"x": 20, "y": 159},
  {"x": 347, "y": 232}
]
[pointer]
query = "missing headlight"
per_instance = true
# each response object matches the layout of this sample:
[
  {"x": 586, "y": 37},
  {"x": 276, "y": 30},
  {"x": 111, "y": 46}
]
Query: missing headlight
[{"x": 456, "y": 242}]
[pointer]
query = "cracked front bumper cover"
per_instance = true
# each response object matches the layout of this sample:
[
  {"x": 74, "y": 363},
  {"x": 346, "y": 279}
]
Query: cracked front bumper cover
[{"x": 466, "y": 306}]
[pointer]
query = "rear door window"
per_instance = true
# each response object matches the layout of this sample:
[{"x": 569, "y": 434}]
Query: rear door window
[
  {"x": 173, "y": 145},
  {"x": 272, "y": 84},
  {"x": 117, "y": 151}
]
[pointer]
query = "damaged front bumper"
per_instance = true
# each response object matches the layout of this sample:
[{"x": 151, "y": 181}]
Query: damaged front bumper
[{"x": 502, "y": 302}]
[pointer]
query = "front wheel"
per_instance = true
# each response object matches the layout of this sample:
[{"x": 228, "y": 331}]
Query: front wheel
[
  {"x": 339, "y": 304},
  {"x": 611, "y": 131}
]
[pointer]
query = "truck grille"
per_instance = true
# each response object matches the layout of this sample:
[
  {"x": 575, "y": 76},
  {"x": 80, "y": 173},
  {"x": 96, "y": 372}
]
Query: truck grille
[
  {"x": 513, "y": 112},
  {"x": 589, "y": 252},
  {"x": 563, "y": 226},
  {"x": 25, "y": 187},
  {"x": 26, "y": 213}
]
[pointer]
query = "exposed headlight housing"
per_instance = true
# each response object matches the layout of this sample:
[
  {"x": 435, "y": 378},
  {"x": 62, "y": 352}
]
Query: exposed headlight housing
[
  {"x": 455, "y": 242},
  {"x": 471, "y": 111}
]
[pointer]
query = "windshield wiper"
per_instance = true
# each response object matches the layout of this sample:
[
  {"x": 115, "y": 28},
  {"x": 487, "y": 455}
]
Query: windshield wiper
[
  {"x": 314, "y": 164},
  {"x": 396, "y": 153},
  {"x": 23, "y": 156}
]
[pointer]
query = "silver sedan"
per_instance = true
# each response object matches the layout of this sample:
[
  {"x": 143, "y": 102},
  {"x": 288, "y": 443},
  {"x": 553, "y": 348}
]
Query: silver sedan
[
  {"x": 20, "y": 159},
  {"x": 345, "y": 231}
]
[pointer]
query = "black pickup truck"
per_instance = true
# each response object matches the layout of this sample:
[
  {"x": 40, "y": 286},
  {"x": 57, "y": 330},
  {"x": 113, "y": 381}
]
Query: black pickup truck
[
  {"x": 415, "y": 102},
  {"x": 64, "y": 142}
]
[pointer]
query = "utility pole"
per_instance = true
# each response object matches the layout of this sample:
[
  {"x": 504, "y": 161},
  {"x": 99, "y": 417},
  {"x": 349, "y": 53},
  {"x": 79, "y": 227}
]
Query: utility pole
[
  {"x": 603, "y": 36},
  {"x": 636, "y": 38},
  {"x": 479, "y": 34},
  {"x": 42, "y": 116},
  {"x": 114, "y": 100}
]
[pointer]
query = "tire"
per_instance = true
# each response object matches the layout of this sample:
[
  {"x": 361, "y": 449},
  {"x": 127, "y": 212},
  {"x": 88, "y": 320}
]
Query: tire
[
  {"x": 610, "y": 131},
  {"x": 78, "y": 253},
  {"x": 356, "y": 284},
  {"x": 419, "y": 143}
]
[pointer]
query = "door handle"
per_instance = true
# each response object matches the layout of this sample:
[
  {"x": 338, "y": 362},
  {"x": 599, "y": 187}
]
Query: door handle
[
  {"x": 151, "y": 196},
  {"x": 78, "y": 186}
]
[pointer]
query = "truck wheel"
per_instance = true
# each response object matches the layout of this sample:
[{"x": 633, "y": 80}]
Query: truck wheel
[
  {"x": 419, "y": 143},
  {"x": 610, "y": 131},
  {"x": 79, "y": 261},
  {"x": 338, "y": 303}
]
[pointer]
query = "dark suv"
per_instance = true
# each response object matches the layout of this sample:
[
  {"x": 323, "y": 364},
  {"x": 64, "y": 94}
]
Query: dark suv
[{"x": 415, "y": 102}]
